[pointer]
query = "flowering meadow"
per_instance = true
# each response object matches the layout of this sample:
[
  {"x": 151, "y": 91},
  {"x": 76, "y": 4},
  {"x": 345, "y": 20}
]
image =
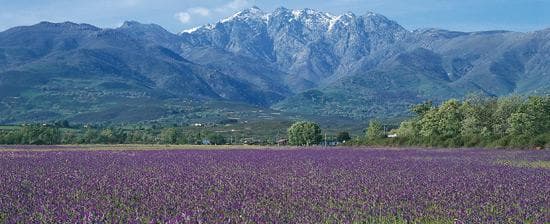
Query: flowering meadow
[{"x": 315, "y": 185}]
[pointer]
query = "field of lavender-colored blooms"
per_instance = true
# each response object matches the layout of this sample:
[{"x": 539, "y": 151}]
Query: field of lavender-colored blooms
[{"x": 315, "y": 185}]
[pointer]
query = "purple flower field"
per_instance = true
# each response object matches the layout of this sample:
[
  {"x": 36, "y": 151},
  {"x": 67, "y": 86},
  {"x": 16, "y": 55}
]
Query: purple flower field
[{"x": 275, "y": 186}]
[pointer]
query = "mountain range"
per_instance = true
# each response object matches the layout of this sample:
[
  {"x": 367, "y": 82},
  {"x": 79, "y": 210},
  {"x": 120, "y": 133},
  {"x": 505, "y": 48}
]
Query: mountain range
[{"x": 300, "y": 62}]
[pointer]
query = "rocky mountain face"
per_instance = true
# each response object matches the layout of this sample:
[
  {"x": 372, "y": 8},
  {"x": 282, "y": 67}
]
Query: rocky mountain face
[
  {"x": 367, "y": 65},
  {"x": 302, "y": 61},
  {"x": 307, "y": 47}
]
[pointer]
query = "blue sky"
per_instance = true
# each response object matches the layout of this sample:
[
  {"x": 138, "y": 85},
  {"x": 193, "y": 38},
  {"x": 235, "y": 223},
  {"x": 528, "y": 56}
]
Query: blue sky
[{"x": 177, "y": 15}]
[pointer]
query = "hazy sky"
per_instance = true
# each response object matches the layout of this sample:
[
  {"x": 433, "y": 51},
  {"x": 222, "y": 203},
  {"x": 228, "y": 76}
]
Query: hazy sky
[{"x": 177, "y": 15}]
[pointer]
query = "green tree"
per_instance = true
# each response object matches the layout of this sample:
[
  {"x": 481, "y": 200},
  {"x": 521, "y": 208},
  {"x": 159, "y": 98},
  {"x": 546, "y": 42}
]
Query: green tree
[
  {"x": 40, "y": 135},
  {"x": 521, "y": 129},
  {"x": 112, "y": 136},
  {"x": 343, "y": 136},
  {"x": 375, "y": 131},
  {"x": 442, "y": 125},
  {"x": 429, "y": 124},
  {"x": 194, "y": 138},
  {"x": 304, "y": 133},
  {"x": 62, "y": 124},
  {"x": 69, "y": 137},
  {"x": 539, "y": 108},
  {"x": 409, "y": 131},
  {"x": 421, "y": 109},
  {"x": 477, "y": 122},
  {"x": 216, "y": 139},
  {"x": 450, "y": 119},
  {"x": 137, "y": 137},
  {"x": 91, "y": 136},
  {"x": 505, "y": 107},
  {"x": 480, "y": 121},
  {"x": 170, "y": 135},
  {"x": 521, "y": 124}
]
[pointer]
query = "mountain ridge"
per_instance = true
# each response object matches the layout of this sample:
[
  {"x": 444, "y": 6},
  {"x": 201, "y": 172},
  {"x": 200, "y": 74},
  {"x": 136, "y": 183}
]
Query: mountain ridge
[{"x": 299, "y": 61}]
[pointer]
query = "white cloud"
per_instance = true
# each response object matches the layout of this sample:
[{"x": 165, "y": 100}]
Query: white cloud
[
  {"x": 238, "y": 4},
  {"x": 186, "y": 16},
  {"x": 199, "y": 11},
  {"x": 190, "y": 14},
  {"x": 234, "y": 5},
  {"x": 183, "y": 17}
]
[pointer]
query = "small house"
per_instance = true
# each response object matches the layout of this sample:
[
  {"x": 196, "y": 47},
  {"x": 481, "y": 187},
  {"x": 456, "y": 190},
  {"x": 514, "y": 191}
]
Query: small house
[{"x": 283, "y": 141}]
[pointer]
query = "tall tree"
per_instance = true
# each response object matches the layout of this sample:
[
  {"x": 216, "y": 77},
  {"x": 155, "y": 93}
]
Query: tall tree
[
  {"x": 505, "y": 107},
  {"x": 539, "y": 108},
  {"x": 477, "y": 111},
  {"x": 170, "y": 135},
  {"x": 375, "y": 131},
  {"x": 304, "y": 133},
  {"x": 421, "y": 109}
]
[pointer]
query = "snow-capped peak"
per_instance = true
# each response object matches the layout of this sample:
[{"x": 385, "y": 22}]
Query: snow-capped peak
[
  {"x": 191, "y": 30},
  {"x": 312, "y": 19},
  {"x": 255, "y": 10},
  {"x": 310, "y": 13},
  {"x": 195, "y": 29},
  {"x": 249, "y": 13},
  {"x": 369, "y": 14}
]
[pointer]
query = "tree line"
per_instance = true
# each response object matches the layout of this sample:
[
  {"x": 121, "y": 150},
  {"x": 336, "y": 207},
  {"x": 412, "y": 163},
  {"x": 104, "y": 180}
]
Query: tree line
[
  {"x": 54, "y": 134},
  {"x": 301, "y": 133},
  {"x": 477, "y": 121}
]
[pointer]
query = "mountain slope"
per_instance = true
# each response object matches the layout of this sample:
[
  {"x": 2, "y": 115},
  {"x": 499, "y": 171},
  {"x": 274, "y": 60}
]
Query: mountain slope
[
  {"x": 369, "y": 57},
  {"x": 298, "y": 61},
  {"x": 306, "y": 46},
  {"x": 59, "y": 70}
]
